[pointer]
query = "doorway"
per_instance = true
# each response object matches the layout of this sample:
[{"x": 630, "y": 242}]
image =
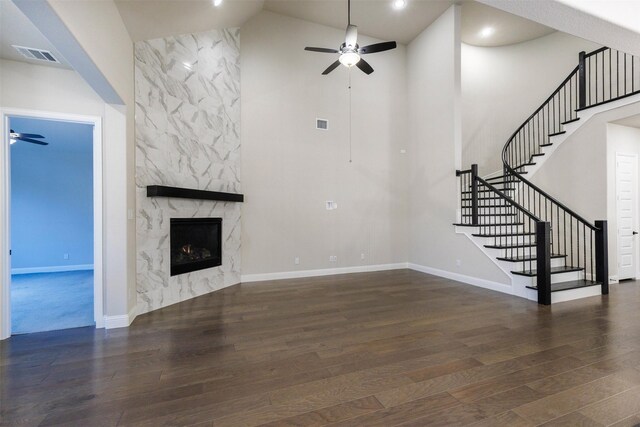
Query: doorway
[
  {"x": 53, "y": 210},
  {"x": 626, "y": 212}
]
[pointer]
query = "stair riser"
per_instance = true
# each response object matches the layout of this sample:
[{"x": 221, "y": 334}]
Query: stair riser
[
  {"x": 511, "y": 266},
  {"x": 498, "y": 186},
  {"x": 482, "y": 210},
  {"x": 495, "y": 229},
  {"x": 498, "y": 220},
  {"x": 507, "y": 240},
  {"x": 516, "y": 252},
  {"x": 555, "y": 278}
]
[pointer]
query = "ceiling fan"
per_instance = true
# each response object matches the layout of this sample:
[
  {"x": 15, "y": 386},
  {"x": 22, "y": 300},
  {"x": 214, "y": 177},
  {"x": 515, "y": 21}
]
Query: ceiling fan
[
  {"x": 350, "y": 52},
  {"x": 26, "y": 137}
]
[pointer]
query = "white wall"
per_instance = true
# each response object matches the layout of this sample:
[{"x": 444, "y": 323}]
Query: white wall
[
  {"x": 100, "y": 31},
  {"x": 29, "y": 86},
  {"x": 35, "y": 87},
  {"x": 433, "y": 73},
  {"x": 624, "y": 140},
  {"x": 579, "y": 172},
  {"x": 503, "y": 86},
  {"x": 290, "y": 169}
]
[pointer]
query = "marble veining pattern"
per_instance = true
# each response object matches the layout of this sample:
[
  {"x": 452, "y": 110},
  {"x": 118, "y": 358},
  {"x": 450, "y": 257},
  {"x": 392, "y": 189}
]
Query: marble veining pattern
[{"x": 187, "y": 135}]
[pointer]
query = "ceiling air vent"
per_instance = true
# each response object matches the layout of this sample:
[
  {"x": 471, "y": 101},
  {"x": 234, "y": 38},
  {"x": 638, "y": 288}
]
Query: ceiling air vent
[{"x": 37, "y": 54}]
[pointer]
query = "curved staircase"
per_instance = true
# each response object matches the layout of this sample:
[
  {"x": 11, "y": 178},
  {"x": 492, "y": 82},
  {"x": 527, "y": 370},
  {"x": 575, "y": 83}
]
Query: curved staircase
[{"x": 550, "y": 252}]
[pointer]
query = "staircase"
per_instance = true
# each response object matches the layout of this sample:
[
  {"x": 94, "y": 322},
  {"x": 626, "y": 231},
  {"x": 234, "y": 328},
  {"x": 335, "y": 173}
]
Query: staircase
[{"x": 550, "y": 252}]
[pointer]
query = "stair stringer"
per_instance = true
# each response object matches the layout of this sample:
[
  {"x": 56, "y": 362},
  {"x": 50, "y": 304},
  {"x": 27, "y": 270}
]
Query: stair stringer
[
  {"x": 519, "y": 283},
  {"x": 517, "y": 289}
]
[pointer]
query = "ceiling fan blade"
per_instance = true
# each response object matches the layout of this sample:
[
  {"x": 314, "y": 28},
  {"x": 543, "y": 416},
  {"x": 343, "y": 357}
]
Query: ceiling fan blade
[
  {"x": 331, "y": 68},
  {"x": 321, "y": 49},
  {"x": 33, "y": 141},
  {"x": 364, "y": 66},
  {"x": 351, "y": 38},
  {"x": 377, "y": 47},
  {"x": 30, "y": 135}
]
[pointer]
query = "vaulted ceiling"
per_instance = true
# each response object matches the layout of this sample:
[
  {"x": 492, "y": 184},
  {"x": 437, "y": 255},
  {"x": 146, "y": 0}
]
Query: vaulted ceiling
[
  {"x": 375, "y": 18},
  {"x": 148, "y": 19}
]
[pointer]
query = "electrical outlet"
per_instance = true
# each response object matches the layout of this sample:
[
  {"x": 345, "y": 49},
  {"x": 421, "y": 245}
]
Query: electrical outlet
[
  {"x": 331, "y": 205},
  {"x": 296, "y": 260},
  {"x": 65, "y": 256},
  {"x": 361, "y": 256},
  {"x": 458, "y": 263},
  {"x": 333, "y": 258}
]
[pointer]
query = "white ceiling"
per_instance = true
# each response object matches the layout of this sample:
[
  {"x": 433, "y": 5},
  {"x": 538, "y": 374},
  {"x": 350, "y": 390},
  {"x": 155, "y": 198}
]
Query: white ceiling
[
  {"x": 151, "y": 19},
  {"x": 148, "y": 19},
  {"x": 375, "y": 18},
  {"x": 633, "y": 121},
  {"x": 507, "y": 28},
  {"x": 16, "y": 29}
]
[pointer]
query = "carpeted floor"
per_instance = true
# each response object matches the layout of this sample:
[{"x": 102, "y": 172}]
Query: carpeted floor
[{"x": 51, "y": 301}]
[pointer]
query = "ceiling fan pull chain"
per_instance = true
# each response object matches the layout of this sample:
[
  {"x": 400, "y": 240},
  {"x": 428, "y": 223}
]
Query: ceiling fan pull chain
[{"x": 350, "y": 119}]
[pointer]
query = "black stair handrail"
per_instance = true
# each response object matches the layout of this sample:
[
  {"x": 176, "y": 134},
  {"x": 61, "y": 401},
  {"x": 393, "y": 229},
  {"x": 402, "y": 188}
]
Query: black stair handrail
[
  {"x": 559, "y": 229},
  {"x": 596, "y": 80},
  {"x": 509, "y": 237}
]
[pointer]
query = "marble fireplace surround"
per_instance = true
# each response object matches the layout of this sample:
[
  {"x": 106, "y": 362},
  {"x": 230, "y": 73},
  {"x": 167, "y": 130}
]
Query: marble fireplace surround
[{"x": 187, "y": 136}]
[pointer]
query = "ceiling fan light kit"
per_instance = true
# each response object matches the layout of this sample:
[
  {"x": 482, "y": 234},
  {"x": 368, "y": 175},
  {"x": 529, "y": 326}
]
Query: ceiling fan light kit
[{"x": 350, "y": 52}]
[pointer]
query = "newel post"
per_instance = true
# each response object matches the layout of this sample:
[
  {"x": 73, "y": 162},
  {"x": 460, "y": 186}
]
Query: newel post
[
  {"x": 474, "y": 195},
  {"x": 582, "y": 81},
  {"x": 543, "y": 262},
  {"x": 602, "y": 256}
]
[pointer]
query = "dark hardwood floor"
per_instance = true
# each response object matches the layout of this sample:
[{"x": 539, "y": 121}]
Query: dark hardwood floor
[{"x": 388, "y": 348}]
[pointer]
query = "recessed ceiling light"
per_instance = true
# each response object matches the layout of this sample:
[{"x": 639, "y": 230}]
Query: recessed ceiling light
[
  {"x": 217, "y": 3},
  {"x": 486, "y": 32},
  {"x": 399, "y": 4}
]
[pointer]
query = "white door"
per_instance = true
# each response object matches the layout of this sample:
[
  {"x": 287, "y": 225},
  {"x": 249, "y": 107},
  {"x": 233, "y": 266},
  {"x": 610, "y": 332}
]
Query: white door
[{"x": 626, "y": 202}]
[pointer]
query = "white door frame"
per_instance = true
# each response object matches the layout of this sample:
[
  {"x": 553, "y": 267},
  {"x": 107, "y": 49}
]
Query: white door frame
[
  {"x": 636, "y": 250},
  {"x": 5, "y": 221}
]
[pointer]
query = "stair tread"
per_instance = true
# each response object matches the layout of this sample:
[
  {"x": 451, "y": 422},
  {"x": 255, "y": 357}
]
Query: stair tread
[
  {"x": 495, "y": 178},
  {"x": 527, "y": 258},
  {"x": 554, "y": 270},
  {"x": 572, "y": 284},
  {"x": 512, "y": 246},
  {"x": 570, "y": 121},
  {"x": 503, "y": 235},
  {"x": 557, "y": 133},
  {"x": 487, "y": 225},
  {"x": 537, "y": 155},
  {"x": 487, "y": 191},
  {"x": 493, "y": 214},
  {"x": 549, "y": 144},
  {"x": 468, "y": 199}
]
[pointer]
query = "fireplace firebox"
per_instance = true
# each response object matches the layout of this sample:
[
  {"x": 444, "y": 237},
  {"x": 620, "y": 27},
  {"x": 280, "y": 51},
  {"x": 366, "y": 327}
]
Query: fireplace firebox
[{"x": 196, "y": 244}]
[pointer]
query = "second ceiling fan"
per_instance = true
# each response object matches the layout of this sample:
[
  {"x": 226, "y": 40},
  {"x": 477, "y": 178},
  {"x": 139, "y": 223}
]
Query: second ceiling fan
[{"x": 350, "y": 52}]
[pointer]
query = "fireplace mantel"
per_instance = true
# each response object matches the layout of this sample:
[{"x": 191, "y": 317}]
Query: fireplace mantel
[{"x": 189, "y": 193}]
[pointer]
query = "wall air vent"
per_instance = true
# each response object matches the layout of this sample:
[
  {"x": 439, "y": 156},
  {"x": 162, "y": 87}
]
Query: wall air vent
[
  {"x": 37, "y": 54},
  {"x": 322, "y": 124}
]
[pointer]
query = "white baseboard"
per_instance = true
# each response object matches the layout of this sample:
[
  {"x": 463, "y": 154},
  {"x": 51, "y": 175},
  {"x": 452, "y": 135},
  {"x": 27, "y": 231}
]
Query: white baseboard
[
  {"x": 475, "y": 281},
  {"x": 321, "y": 272},
  {"x": 52, "y": 269},
  {"x": 120, "y": 321}
]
